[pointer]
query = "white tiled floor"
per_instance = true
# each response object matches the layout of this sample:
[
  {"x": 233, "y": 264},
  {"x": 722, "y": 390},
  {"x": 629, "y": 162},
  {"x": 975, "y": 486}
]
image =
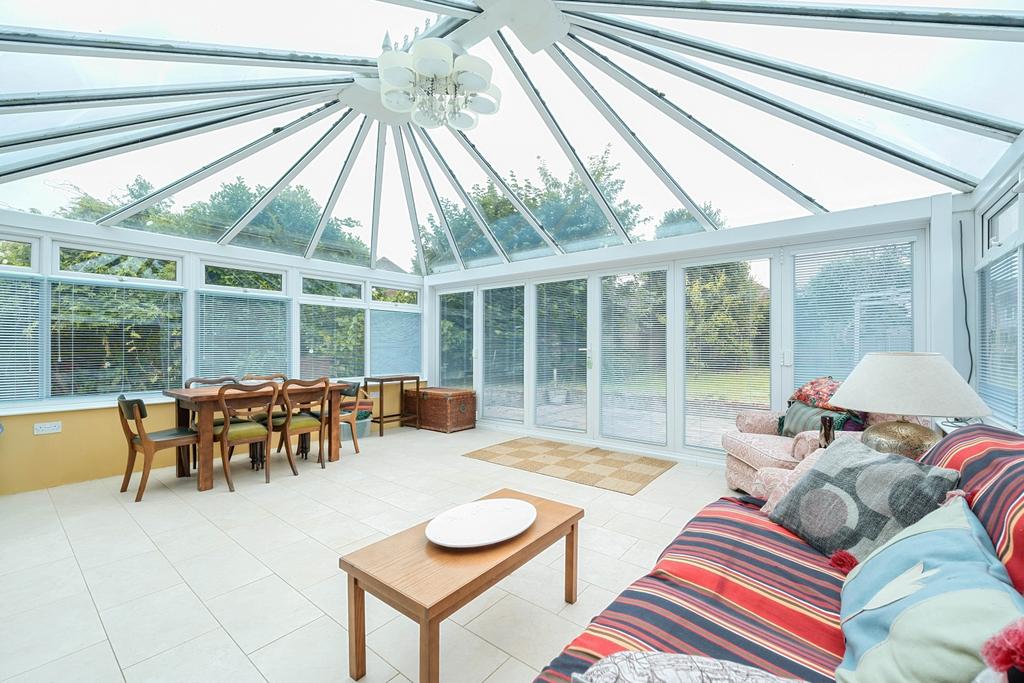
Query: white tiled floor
[{"x": 215, "y": 586}]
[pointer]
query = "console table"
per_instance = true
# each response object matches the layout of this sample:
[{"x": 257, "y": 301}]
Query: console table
[{"x": 384, "y": 417}]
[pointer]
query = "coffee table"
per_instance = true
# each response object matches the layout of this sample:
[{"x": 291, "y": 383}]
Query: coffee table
[{"x": 428, "y": 583}]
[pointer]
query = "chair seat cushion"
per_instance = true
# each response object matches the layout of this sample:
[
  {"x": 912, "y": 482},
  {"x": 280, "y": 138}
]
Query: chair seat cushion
[
  {"x": 760, "y": 450},
  {"x": 168, "y": 434},
  {"x": 262, "y": 415},
  {"x": 246, "y": 429},
  {"x": 299, "y": 421}
]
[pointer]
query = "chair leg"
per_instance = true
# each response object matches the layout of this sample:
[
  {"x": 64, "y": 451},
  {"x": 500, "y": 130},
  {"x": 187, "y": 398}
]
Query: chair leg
[
  {"x": 291, "y": 456},
  {"x": 147, "y": 463},
  {"x": 225, "y": 459},
  {"x": 128, "y": 470},
  {"x": 320, "y": 438},
  {"x": 280, "y": 442},
  {"x": 355, "y": 438},
  {"x": 266, "y": 459},
  {"x": 195, "y": 456}
]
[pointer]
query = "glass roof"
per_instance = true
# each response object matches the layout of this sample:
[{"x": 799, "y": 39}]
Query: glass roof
[{"x": 645, "y": 122}]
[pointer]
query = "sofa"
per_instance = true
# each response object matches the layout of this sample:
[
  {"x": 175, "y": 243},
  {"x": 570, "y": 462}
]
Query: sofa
[{"x": 736, "y": 586}]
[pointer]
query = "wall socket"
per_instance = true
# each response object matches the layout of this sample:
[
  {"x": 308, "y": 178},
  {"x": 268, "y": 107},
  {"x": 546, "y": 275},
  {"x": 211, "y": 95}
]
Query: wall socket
[{"x": 46, "y": 428}]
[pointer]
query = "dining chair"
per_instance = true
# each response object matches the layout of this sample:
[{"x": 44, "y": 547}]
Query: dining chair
[
  {"x": 278, "y": 377},
  {"x": 231, "y": 433},
  {"x": 350, "y": 409},
  {"x": 303, "y": 416},
  {"x": 133, "y": 410},
  {"x": 193, "y": 416}
]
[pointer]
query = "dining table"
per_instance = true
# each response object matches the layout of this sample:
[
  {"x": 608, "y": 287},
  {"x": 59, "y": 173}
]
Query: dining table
[{"x": 204, "y": 402}]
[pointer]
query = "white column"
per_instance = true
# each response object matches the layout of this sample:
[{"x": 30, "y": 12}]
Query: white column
[{"x": 943, "y": 281}]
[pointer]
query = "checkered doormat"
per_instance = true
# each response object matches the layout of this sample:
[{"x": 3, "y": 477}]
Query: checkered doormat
[{"x": 612, "y": 470}]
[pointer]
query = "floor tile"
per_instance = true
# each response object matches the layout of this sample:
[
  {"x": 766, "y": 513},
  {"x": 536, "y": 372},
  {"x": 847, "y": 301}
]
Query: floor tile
[
  {"x": 589, "y": 602},
  {"x": 220, "y": 571},
  {"x": 94, "y": 664},
  {"x": 542, "y": 585},
  {"x": 513, "y": 671},
  {"x": 527, "y": 632},
  {"x": 335, "y": 530},
  {"x": 476, "y": 607},
  {"x": 604, "y": 540},
  {"x": 304, "y": 563},
  {"x": 262, "y": 611},
  {"x": 331, "y": 596},
  {"x": 202, "y": 538},
  {"x": 38, "y": 636},
  {"x": 265, "y": 535},
  {"x": 26, "y": 552},
  {"x": 213, "y": 656},
  {"x": 124, "y": 580},
  {"x": 608, "y": 572},
  {"x": 641, "y": 527},
  {"x": 465, "y": 657},
  {"x": 37, "y": 586}
]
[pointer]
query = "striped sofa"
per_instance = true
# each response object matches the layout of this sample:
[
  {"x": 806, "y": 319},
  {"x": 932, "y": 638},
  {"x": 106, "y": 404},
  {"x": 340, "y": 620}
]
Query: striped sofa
[{"x": 736, "y": 586}]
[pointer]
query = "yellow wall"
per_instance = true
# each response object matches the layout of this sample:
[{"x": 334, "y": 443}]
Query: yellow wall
[{"x": 89, "y": 446}]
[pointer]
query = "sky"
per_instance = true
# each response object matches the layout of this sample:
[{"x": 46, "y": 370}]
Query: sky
[{"x": 969, "y": 73}]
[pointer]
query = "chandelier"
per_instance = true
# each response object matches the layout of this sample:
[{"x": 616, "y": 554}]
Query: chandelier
[{"x": 437, "y": 85}]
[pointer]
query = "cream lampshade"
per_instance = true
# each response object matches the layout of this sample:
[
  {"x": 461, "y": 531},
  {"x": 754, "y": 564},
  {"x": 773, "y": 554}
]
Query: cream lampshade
[{"x": 918, "y": 384}]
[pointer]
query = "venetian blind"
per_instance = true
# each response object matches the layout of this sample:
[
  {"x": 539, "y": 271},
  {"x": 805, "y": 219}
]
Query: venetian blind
[
  {"x": 561, "y": 373},
  {"x": 238, "y": 334},
  {"x": 848, "y": 303},
  {"x": 394, "y": 342},
  {"x": 504, "y": 323},
  {"x": 456, "y": 336},
  {"x": 999, "y": 380},
  {"x": 634, "y": 357},
  {"x": 332, "y": 341},
  {"x": 19, "y": 338},
  {"x": 108, "y": 339},
  {"x": 727, "y": 347}
]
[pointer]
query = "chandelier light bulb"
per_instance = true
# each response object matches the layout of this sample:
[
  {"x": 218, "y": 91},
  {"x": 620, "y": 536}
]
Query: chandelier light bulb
[
  {"x": 462, "y": 120},
  {"x": 426, "y": 119},
  {"x": 432, "y": 57},
  {"x": 486, "y": 102},
  {"x": 396, "y": 68},
  {"x": 398, "y": 99},
  {"x": 472, "y": 73}
]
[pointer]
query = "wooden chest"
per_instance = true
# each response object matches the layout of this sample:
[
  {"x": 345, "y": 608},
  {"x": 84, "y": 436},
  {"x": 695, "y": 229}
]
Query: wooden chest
[{"x": 440, "y": 409}]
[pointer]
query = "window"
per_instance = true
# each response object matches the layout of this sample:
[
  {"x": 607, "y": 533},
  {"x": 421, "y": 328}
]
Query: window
[
  {"x": 394, "y": 342},
  {"x": 15, "y": 254},
  {"x": 332, "y": 288},
  {"x": 109, "y": 339},
  {"x": 504, "y": 321},
  {"x": 634, "y": 356},
  {"x": 999, "y": 369},
  {"x": 561, "y": 388},
  {"x": 848, "y": 303},
  {"x": 727, "y": 344},
  {"x": 456, "y": 336},
  {"x": 333, "y": 340},
  {"x": 238, "y": 334},
  {"x": 120, "y": 265},
  {"x": 246, "y": 279},
  {"x": 395, "y": 296},
  {"x": 19, "y": 338},
  {"x": 1004, "y": 222}
]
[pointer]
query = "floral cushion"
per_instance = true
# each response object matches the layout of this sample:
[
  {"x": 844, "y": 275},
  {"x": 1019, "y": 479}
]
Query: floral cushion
[
  {"x": 667, "y": 667},
  {"x": 817, "y": 393},
  {"x": 776, "y": 482},
  {"x": 760, "y": 450}
]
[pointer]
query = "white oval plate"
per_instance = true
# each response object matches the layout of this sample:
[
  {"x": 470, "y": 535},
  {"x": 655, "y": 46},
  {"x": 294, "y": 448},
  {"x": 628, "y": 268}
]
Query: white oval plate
[{"x": 480, "y": 523}]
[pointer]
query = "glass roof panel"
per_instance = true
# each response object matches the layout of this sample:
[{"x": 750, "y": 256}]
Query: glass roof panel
[
  {"x": 510, "y": 229},
  {"x": 347, "y": 237},
  {"x": 19, "y": 124},
  {"x": 533, "y": 165},
  {"x": 643, "y": 204},
  {"x": 92, "y": 189},
  {"x": 287, "y": 224}
]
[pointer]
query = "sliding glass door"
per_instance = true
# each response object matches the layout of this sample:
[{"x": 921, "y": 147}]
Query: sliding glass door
[
  {"x": 503, "y": 337},
  {"x": 456, "y": 338},
  {"x": 561, "y": 345}
]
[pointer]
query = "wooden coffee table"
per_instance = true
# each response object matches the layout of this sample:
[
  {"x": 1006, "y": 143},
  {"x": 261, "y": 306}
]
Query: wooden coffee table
[{"x": 428, "y": 583}]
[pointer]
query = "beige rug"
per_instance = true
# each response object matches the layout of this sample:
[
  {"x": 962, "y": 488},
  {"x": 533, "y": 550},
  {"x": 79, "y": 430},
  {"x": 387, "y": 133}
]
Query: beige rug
[{"x": 612, "y": 470}]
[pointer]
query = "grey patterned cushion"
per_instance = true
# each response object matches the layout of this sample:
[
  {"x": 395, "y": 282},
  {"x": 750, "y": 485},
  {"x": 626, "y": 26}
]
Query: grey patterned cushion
[
  {"x": 663, "y": 667},
  {"x": 856, "y": 499}
]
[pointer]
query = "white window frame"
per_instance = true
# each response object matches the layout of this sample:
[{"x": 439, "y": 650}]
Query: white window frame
[
  {"x": 393, "y": 305},
  {"x": 478, "y": 345},
  {"x": 55, "y": 268},
  {"x": 321, "y": 298},
  {"x": 34, "y": 242},
  {"x": 220, "y": 263}
]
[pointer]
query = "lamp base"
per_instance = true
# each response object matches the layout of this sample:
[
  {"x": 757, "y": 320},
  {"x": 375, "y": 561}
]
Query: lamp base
[{"x": 900, "y": 437}]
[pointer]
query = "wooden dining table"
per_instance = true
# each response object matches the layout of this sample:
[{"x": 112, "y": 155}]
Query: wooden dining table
[{"x": 203, "y": 401}]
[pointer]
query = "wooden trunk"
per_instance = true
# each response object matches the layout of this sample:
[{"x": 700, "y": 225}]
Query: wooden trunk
[{"x": 440, "y": 409}]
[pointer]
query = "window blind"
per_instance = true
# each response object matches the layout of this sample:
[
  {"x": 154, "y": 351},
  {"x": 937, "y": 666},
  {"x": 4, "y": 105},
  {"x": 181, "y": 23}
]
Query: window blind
[
  {"x": 561, "y": 373},
  {"x": 20, "y": 317},
  {"x": 456, "y": 336},
  {"x": 999, "y": 380},
  {"x": 634, "y": 398},
  {"x": 332, "y": 341},
  {"x": 395, "y": 338},
  {"x": 848, "y": 303},
  {"x": 108, "y": 339},
  {"x": 238, "y": 334},
  {"x": 504, "y": 323},
  {"x": 727, "y": 347}
]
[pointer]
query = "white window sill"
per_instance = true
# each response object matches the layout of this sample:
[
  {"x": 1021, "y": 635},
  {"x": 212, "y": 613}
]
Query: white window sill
[{"x": 54, "y": 405}]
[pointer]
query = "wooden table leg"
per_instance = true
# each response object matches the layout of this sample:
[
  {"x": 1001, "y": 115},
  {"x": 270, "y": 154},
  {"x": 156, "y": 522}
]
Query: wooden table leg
[
  {"x": 334, "y": 427},
  {"x": 356, "y": 630},
  {"x": 183, "y": 466},
  {"x": 380, "y": 405},
  {"x": 571, "y": 558},
  {"x": 430, "y": 651},
  {"x": 204, "y": 482}
]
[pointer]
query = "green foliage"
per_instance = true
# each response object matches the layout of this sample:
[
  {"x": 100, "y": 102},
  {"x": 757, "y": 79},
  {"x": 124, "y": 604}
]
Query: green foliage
[
  {"x": 341, "y": 290},
  {"x": 456, "y": 317},
  {"x": 122, "y": 265},
  {"x": 247, "y": 279},
  {"x": 727, "y": 317},
  {"x": 15, "y": 253},
  {"x": 395, "y": 296},
  {"x": 332, "y": 341}
]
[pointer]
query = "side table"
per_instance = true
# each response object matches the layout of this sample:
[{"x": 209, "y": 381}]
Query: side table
[{"x": 382, "y": 416}]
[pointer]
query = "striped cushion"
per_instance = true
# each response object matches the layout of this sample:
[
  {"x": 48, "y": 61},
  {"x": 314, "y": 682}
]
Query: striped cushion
[
  {"x": 991, "y": 465},
  {"x": 732, "y": 586}
]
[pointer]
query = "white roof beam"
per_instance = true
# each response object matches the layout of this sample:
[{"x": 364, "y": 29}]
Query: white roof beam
[
  {"x": 944, "y": 23},
  {"x": 549, "y": 120},
  {"x": 452, "y": 8},
  {"x": 220, "y": 164},
  {"x": 518, "y": 203},
  {"x": 327, "y": 138},
  {"x": 421, "y": 164},
  {"x": 46, "y": 41},
  {"x": 481, "y": 222},
  {"x": 824, "y": 81},
  {"x": 378, "y": 183},
  {"x": 410, "y": 200},
  {"x": 788, "y": 111},
  {"x": 141, "y": 139},
  {"x": 339, "y": 185},
  {"x": 630, "y": 137}
]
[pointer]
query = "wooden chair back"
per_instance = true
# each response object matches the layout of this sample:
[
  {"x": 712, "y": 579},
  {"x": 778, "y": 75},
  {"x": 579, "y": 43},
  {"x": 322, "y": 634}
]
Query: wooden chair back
[
  {"x": 210, "y": 381},
  {"x": 272, "y": 377},
  {"x": 229, "y": 411},
  {"x": 132, "y": 409},
  {"x": 291, "y": 405}
]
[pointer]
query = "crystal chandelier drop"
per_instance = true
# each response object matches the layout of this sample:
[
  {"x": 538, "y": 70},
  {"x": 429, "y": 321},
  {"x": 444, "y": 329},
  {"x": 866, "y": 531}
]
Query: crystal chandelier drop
[{"x": 437, "y": 85}]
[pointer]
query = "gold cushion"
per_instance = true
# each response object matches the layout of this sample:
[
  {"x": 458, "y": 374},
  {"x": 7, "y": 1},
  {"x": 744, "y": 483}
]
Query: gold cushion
[
  {"x": 246, "y": 429},
  {"x": 299, "y": 421},
  {"x": 262, "y": 415}
]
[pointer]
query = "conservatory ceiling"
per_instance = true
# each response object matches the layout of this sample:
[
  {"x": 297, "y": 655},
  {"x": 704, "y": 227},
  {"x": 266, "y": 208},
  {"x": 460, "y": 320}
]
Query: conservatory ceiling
[{"x": 619, "y": 121}]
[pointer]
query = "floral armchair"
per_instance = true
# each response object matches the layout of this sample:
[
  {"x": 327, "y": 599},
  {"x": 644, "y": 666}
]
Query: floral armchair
[{"x": 756, "y": 444}]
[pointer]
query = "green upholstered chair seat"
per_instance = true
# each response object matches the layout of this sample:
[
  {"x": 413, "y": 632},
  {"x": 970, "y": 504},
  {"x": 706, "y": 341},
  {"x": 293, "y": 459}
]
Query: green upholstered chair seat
[
  {"x": 168, "y": 434},
  {"x": 247, "y": 429},
  {"x": 299, "y": 421},
  {"x": 262, "y": 416}
]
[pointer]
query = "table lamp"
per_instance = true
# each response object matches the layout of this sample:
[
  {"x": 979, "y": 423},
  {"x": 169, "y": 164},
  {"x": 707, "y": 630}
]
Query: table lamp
[{"x": 918, "y": 384}]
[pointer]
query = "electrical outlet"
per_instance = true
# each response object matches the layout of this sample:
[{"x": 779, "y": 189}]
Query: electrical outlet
[{"x": 46, "y": 428}]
